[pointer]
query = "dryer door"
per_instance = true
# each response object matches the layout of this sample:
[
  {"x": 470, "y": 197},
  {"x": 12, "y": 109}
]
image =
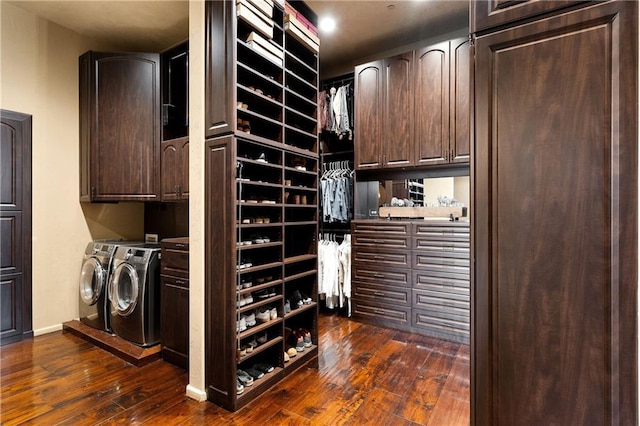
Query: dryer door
[
  {"x": 124, "y": 295},
  {"x": 92, "y": 276}
]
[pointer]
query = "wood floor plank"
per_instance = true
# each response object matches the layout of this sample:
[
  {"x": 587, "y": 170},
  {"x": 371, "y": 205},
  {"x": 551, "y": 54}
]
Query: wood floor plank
[{"x": 365, "y": 375}]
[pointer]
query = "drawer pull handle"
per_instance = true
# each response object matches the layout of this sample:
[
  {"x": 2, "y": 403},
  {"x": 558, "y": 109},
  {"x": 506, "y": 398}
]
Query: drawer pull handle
[
  {"x": 378, "y": 311},
  {"x": 377, "y": 293},
  {"x": 378, "y": 275},
  {"x": 180, "y": 282}
]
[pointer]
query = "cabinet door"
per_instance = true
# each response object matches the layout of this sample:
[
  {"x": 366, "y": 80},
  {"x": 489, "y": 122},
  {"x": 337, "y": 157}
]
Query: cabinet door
[
  {"x": 183, "y": 171},
  {"x": 460, "y": 86},
  {"x": 555, "y": 294},
  {"x": 398, "y": 108},
  {"x": 120, "y": 118},
  {"x": 220, "y": 91},
  {"x": 368, "y": 113},
  {"x": 431, "y": 115},
  {"x": 491, "y": 13},
  {"x": 174, "y": 320},
  {"x": 170, "y": 170}
]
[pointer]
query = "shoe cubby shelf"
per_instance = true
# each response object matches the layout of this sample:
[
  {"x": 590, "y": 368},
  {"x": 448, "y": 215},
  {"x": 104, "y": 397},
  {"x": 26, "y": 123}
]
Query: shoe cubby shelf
[
  {"x": 259, "y": 349},
  {"x": 266, "y": 92},
  {"x": 303, "y": 308},
  {"x": 261, "y": 385}
]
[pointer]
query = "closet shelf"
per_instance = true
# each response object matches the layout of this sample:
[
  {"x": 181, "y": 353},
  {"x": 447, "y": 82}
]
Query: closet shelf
[
  {"x": 242, "y": 135},
  {"x": 300, "y": 188},
  {"x": 307, "y": 84},
  {"x": 254, "y": 114},
  {"x": 259, "y": 163},
  {"x": 311, "y": 135},
  {"x": 300, "y": 258},
  {"x": 300, "y": 310},
  {"x": 300, "y": 97},
  {"x": 259, "y": 349},
  {"x": 260, "y": 96},
  {"x": 301, "y": 115},
  {"x": 262, "y": 286},
  {"x": 261, "y": 385},
  {"x": 300, "y": 275},
  {"x": 245, "y": 203},
  {"x": 258, "y": 328},
  {"x": 301, "y": 223},
  {"x": 298, "y": 61},
  {"x": 293, "y": 169},
  {"x": 299, "y": 360},
  {"x": 260, "y": 226},
  {"x": 254, "y": 183},
  {"x": 255, "y": 53},
  {"x": 259, "y": 303},
  {"x": 258, "y": 246},
  {"x": 266, "y": 78},
  {"x": 258, "y": 268}
]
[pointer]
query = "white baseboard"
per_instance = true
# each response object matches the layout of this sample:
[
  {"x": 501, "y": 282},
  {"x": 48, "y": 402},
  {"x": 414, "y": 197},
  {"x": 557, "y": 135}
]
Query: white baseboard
[
  {"x": 195, "y": 393},
  {"x": 46, "y": 330}
]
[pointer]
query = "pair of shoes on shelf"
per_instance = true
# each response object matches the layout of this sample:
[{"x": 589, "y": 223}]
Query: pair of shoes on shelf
[
  {"x": 262, "y": 158},
  {"x": 266, "y": 293},
  {"x": 253, "y": 372},
  {"x": 260, "y": 239},
  {"x": 239, "y": 387},
  {"x": 306, "y": 337},
  {"x": 264, "y": 367},
  {"x": 242, "y": 105},
  {"x": 267, "y": 314},
  {"x": 244, "y": 378},
  {"x": 299, "y": 299},
  {"x": 241, "y": 325},
  {"x": 244, "y": 300},
  {"x": 262, "y": 339},
  {"x": 243, "y": 125},
  {"x": 250, "y": 319},
  {"x": 266, "y": 279},
  {"x": 296, "y": 341},
  {"x": 262, "y": 220},
  {"x": 244, "y": 264},
  {"x": 287, "y": 306}
]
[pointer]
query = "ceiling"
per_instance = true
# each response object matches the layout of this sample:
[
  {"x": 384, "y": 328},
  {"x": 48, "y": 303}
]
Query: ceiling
[{"x": 364, "y": 28}]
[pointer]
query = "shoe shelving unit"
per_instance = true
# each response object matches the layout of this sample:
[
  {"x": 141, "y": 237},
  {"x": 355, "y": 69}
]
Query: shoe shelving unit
[{"x": 261, "y": 199}]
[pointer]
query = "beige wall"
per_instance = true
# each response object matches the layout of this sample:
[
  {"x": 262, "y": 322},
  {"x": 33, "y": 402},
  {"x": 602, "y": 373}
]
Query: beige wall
[{"x": 39, "y": 76}]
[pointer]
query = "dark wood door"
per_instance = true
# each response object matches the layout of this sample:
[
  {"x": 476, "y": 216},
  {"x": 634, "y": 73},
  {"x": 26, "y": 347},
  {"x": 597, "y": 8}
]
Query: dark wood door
[
  {"x": 15, "y": 226},
  {"x": 368, "y": 101},
  {"x": 120, "y": 126},
  {"x": 555, "y": 221},
  {"x": 398, "y": 110},
  {"x": 492, "y": 13},
  {"x": 175, "y": 169},
  {"x": 460, "y": 86},
  {"x": 431, "y": 115}
]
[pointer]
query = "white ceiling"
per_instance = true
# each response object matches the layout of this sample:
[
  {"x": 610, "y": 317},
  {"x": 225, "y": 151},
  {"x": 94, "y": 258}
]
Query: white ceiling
[{"x": 363, "y": 27}]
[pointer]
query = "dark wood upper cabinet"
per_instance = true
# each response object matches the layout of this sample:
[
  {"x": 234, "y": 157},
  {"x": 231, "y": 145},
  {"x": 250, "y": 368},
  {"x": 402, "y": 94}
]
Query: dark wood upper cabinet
[
  {"x": 175, "y": 169},
  {"x": 412, "y": 110},
  {"x": 555, "y": 223},
  {"x": 174, "y": 154},
  {"x": 119, "y": 126},
  {"x": 431, "y": 117},
  {"x": 486, "y": 14},
  {"x": 368, "y": 108},
  {"x": 459, "y": 101},
  {"x": 398, "y": 105}
]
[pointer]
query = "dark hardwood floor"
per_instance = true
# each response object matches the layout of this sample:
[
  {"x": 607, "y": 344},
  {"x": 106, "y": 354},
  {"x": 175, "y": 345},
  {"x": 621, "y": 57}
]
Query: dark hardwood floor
[{"x": 366, "y": 375}]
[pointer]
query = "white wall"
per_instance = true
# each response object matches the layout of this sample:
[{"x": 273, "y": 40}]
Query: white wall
[{"x": 39, "y": 76}]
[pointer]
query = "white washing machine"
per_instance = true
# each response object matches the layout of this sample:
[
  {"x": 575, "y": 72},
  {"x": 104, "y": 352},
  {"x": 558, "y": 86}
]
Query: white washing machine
[
  {"x": 94, "y": 277},
  {"x": 134, "y": 293}
]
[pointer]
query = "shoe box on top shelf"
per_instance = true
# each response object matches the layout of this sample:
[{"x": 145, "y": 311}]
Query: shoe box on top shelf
[
  {"x": 300, "y": 28},
  {"x": 258, "y": 14}
]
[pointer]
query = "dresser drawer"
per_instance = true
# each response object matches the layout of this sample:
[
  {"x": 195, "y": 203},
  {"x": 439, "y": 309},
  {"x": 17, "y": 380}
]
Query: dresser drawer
[
  {"x": 397, "y": 296},
  {"x": 425, "y": 280},
  {"x": 381, "y": 241},
  {"x": 380, "y": 227},
  {"x": 385, "y": 276},
  {"x": 377, "y": 313},
  {"x": 458, "y": 267},
  {"x": 172, "y": 281},
  {"x": 445, "y": 246},
  {"x": 175, "y": 257},
  {"x": 435, "y": 324},
  {"x": 381, "y": 259},
  {"x": 441, "y": 302},
  {"x": 449, "y": 231}
]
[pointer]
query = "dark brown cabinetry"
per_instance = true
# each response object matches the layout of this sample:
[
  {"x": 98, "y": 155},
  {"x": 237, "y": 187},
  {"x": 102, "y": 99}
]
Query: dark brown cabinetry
[
  {"x": 369, "y": 108},
  {"x": 486, "y": 14},
  {"x": 413, "y": 109},
  {"x": 555, "y": 296},
  {"x": 413, "y": 276},
  {"x": 119, "y": 126},
  {"x": 261, "y": 200},
  {"x": 174, "y": 152},
  {"x": 174, "y": 301}
]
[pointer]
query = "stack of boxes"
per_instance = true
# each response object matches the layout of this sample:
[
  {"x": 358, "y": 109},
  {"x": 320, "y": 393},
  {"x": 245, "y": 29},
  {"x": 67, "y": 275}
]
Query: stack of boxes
[
  {"x": 300, "y": 28},
  {"x": 259, "y": 14}
]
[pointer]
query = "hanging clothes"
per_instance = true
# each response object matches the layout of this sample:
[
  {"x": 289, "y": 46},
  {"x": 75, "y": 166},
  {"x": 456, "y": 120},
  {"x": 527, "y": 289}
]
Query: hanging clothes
[
  {"x": 339, "y": 105},
  {"x": 336, "y": 192},
  {"x": 334, "y": 271}
]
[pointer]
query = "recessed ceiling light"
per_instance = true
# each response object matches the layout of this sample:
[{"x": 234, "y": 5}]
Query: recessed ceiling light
[{"x": 327, "y": 24}]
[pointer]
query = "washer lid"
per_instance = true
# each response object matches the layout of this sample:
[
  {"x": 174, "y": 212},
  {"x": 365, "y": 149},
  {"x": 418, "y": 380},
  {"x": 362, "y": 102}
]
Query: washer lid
[
  {"x": 124, "y": 289},
  {"x": 92, "y": 281}
]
